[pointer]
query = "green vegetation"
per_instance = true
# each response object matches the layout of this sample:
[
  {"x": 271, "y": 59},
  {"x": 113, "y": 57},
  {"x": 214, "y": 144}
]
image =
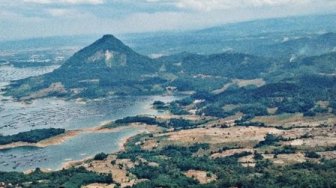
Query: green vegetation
[
  {"x": 312, "y": 154},
  {"x": 137, "y": 119},
  {"x": 175, "y": 160},
  {"x": 70, "y": 178},
  {"x": 270, "y": 139},
  {"x": 159, "y": 105},
  {"x": 284, "y": 150},
  {"x": 298, "y": 94},
  {"x": 170, "y": 123},
  {"x": 32, "y": 136},
  {"x": 100, "y": 156},
  {"x": 176, "y": 109},
  {"x": 257, "y": 156}
]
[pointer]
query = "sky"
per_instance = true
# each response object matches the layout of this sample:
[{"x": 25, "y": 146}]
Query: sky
[{"x": 40, "y": 18}]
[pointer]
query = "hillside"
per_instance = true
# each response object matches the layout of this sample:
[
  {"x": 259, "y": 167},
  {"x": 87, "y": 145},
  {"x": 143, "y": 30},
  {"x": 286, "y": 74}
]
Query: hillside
[
  {"x": 109, "y": 67},
  {"x": 245, "y": 37},
  {"x": 105, "y": 67}
]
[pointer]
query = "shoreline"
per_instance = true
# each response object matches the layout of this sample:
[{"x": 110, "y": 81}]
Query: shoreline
[
  {"x": 121, "y": 143},
  {"x": 59, "y": 139},
  {"x": 55, "y": 140}
]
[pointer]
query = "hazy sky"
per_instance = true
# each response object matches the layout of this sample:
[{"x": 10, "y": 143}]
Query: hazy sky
[{"x": 35, "y": 18}]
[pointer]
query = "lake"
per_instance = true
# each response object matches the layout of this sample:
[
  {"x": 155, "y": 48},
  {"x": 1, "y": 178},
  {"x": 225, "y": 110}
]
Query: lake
[{"x": 18, "y": 117}]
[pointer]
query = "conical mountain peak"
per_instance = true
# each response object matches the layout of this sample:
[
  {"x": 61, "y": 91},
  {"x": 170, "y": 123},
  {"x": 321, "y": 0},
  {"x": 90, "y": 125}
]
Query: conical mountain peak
[
  {"x": 110, "y": 42},
  {"x": 108, "y": 52},
  {"x": 108, "y": 38}
]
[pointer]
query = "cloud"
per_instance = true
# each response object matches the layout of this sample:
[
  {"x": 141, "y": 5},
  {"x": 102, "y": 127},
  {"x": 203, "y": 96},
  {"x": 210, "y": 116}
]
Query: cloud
[
  {"x": 58, "y": 12},
  {"x": 211, "y": 5},
  {"x": 61, "y": 12},
  {"x": 94, "y": 2},
  {"x": 70, "y": 17}
]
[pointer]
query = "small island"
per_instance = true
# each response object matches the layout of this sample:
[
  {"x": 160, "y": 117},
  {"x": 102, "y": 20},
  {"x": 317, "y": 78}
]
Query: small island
[{"x": 32, "y": 136}]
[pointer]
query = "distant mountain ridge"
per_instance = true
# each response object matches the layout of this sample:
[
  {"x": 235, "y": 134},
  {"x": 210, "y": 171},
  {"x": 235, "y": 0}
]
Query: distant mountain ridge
[
  {"x": 312, "y": 23},
  {"x": 109, "y": 67}
]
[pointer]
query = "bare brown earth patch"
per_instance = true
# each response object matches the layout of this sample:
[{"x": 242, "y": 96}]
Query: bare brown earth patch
[
  {"x": 118, "y": 168},
  {"x": 202, "y": 177},
  {"x": 247, "y": 161},
  {"x": 328, "y": 154},
  {"x": 296, "y": 120},
  {"x": 223, "y": 122},
  {"x": 98, "y": 185},
  {"x": 187, "y": 117},
  {"x": 246, "y": 136},
  {"x": 255, "y": 82},
  {"x": 286, "y": 159},
  {"x": 231, "y": 152},
  {"x": 312, "y": 142}
]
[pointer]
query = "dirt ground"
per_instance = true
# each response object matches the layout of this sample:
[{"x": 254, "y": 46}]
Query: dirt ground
[
  {"x": 246, "y": 136},
  {"x": 230, "y": 152},
  {"x": 98, "y": 185},
  {"x": 118, "y": 168},
  {"x": 302, "y": 133},
  {"x": 201, "y": 176},
  {"x": 296, "y": 120}
]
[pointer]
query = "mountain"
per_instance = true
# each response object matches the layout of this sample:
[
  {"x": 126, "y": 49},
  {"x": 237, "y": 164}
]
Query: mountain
[
  {"x": 230, "y": 65},
  {"x": 294, "y": 24},
  {"x": 103, "y": 68},
  {"x": 211, "y": 72},
  {"x": 324, "y": 64},
  {"x": 105, "y": 57},
  {"x": 243, "y": 37},
  {"x": 294, "y": 47},
  {"x": 109, "y": 67}
]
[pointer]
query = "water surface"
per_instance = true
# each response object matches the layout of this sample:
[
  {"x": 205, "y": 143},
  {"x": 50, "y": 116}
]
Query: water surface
[
  {"x": 18, "y": 117},
  {"x": 52, "y": 157}
]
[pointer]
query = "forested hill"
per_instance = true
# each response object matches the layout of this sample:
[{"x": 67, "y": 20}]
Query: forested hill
[
  {"x": 106, "y": 67},
  {"x": 109, "y": 67}
]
